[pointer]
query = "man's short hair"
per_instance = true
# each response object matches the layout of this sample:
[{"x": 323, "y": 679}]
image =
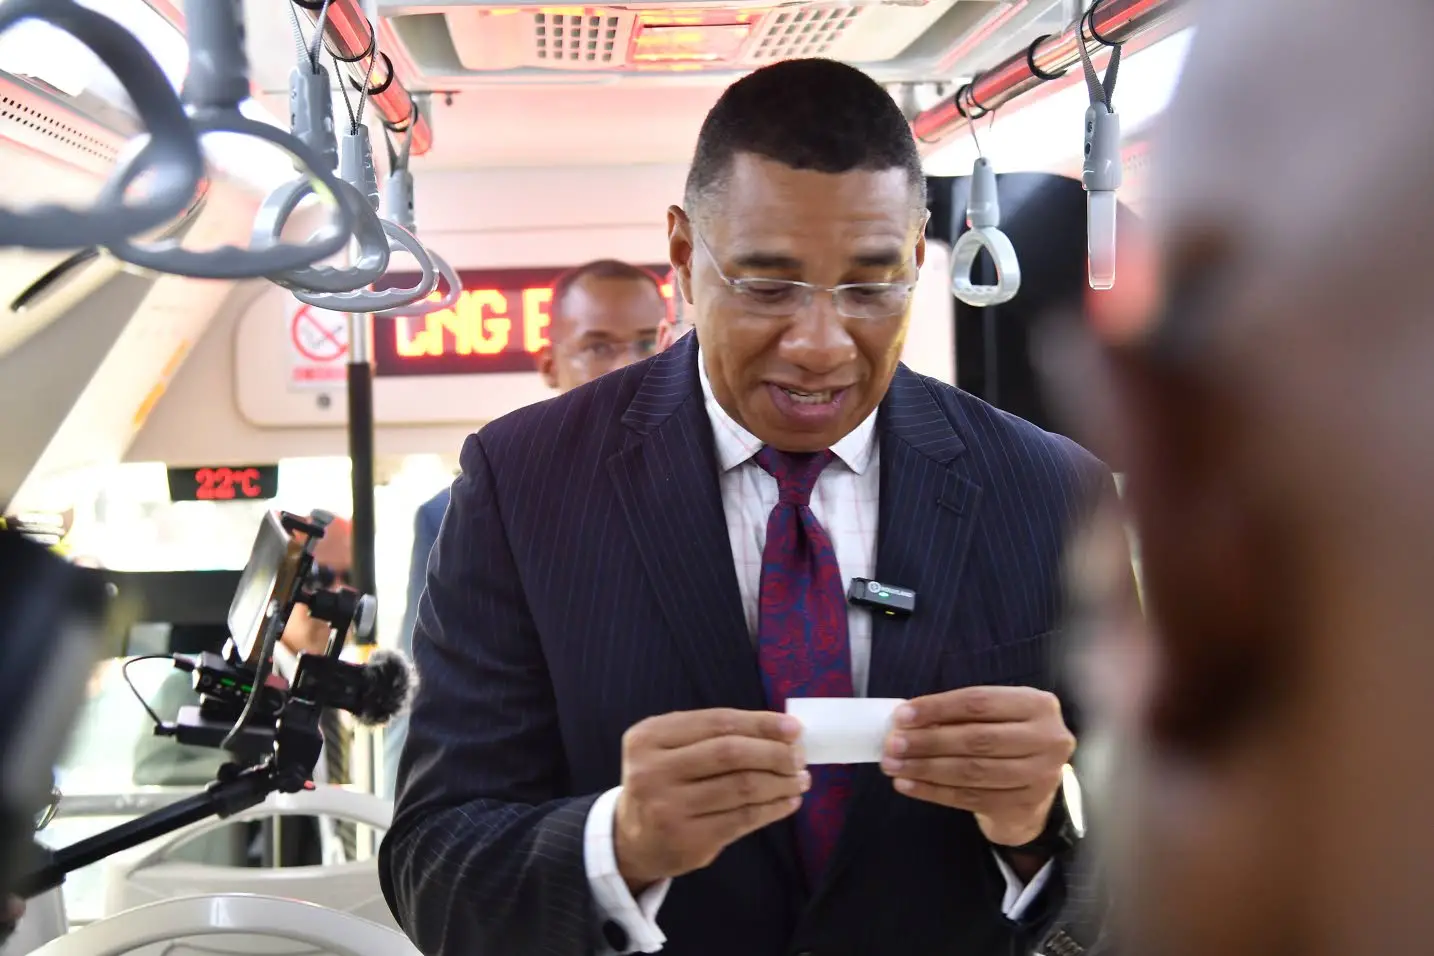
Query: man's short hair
[
  {"x": 600, "y": 269},
  {"x": 811, "y": 114}
]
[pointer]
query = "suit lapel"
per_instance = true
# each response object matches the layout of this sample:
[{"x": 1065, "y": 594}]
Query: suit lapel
[
  {"x": 666, "y": 479},
  {"x": 926, "y": 517}
]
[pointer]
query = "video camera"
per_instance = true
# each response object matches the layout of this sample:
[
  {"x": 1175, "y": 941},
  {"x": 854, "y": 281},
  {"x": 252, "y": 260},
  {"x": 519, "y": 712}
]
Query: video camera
[
  {"x": 240, "y": 698},
  {"x": 51, "y": 634},
  {"x": 269, "y": 725}
]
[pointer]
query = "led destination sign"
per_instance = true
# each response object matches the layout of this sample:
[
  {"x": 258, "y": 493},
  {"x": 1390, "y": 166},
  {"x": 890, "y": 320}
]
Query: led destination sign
[{"x": 498, "y": 324}]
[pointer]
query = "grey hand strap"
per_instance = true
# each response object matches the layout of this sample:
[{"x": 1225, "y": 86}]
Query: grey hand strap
[
  {"x": 217, "y": 82},
  {"x": 169, "y": 158}
]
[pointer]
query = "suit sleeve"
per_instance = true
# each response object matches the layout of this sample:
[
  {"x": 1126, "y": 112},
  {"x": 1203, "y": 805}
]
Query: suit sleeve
[
  {"x": 425, "y": 533},
  {"x": 485, "y": 854},
  {"x": 1097, "y": 495},
  {"x": 1034, "y": 905},
  {"x": 1082, "y": 924}
]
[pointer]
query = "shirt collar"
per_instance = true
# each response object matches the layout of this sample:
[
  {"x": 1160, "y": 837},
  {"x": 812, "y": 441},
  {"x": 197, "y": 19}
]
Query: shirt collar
[{"x": 736, "y": 445}]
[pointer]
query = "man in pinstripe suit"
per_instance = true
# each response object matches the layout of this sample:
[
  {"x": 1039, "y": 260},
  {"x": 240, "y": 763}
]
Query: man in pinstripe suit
[{"x": 632, "y": 578}]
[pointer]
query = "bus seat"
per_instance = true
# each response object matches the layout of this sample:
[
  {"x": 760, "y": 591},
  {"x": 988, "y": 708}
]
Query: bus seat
[
  {"x": 285, "y": 927},
  {"x": 149, "y": 873}
]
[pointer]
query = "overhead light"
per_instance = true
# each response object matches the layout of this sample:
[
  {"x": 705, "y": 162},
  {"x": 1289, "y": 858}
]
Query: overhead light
[{"x": 1049, "y": 134}]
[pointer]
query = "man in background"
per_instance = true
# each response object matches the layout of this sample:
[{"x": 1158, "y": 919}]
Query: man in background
[
  {"x": 333, "y": 559},
  {"x": 605, "y": 314},
  {"x": 305, "y": 634},
  {"x": 1266, "y": 386}
]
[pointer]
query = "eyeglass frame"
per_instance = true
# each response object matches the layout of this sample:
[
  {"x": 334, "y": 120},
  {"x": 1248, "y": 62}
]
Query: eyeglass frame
[
  {"x": 738, "y": 287},
  {"x": 586, "y": 355},
  {"x": 328, "y": 578}
]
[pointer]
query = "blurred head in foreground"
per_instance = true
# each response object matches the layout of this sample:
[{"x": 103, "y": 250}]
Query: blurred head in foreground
[{"x": 1266, "y": 380}]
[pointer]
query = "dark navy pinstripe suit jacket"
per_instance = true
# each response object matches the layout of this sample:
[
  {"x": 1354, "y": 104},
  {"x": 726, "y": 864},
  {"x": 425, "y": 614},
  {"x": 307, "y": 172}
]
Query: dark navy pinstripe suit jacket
[{"x": 583, "y": 580}]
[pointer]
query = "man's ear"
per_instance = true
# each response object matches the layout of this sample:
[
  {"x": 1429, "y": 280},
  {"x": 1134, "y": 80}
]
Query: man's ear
[
  {"x": 679, "y": 250},
  {"x": 547, "y": 365},
  {"x": 666, "y": 335}
]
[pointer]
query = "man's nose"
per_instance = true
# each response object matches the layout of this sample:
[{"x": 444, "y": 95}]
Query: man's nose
[{"x": 818, "y": 339}]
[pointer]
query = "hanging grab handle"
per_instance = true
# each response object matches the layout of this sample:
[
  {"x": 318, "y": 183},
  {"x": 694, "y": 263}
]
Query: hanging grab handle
[
  {"x": 311, "y": 113},
  {"x": 983, "y": 219},
  {"x": 983, "y": 231},
  {"x": 452, "y": 289},
  {"x": 1101, "y": 178},
  {"x": 170, "y": 157},
  {"x": 398, "y": 197},
  {"x": 356, "y": 167},
  {"x": 399, "y": 240},
  {"x": 217, "y": 82},
  {"x": 370, "y": 261},
  {"x": 1101, "y": 174},
  {"x": 313, "y": 123}
]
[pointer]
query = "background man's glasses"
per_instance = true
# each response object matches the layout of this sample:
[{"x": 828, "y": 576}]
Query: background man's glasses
[
  {"x": 326, "y": 577},
  {"x": 605, "y": 353}
]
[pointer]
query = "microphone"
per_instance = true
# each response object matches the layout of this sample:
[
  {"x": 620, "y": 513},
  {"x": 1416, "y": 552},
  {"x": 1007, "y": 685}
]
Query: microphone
[
  {"x": 389, "y": 686},
  {"x": 374, "y": 693}
]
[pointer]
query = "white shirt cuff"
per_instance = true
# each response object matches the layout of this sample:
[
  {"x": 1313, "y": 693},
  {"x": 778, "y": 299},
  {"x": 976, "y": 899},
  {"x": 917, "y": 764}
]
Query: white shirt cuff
[
  {"x": 1020, "y": 895},
  {"x": 614, "y": 900}
]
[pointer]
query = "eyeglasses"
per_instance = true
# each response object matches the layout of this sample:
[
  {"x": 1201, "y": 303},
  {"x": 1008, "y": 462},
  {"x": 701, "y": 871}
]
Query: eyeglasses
[
  {"x": 46, "y": 814},
  {"x": 326, "y": 577},
  {"x": 783, "y": 298},
  {"x": 604, "y": 353}
]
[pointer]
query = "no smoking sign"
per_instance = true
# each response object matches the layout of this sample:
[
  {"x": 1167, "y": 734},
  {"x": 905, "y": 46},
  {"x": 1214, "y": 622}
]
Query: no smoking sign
[{"x": 318, "y": 344}]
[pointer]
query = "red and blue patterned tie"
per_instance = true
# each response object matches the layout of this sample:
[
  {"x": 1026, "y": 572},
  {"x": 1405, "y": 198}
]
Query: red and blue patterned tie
[{"x": 801, "y": 634}]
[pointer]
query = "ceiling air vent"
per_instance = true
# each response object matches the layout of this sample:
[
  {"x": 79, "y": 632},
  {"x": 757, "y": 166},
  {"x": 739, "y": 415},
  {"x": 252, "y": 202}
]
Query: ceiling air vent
[
  {"x": 23, "y": 120},
  {"x": 595, "y": 38},
  {"x": 894, "y": 40},
  {"x": 807, "y": 31}
]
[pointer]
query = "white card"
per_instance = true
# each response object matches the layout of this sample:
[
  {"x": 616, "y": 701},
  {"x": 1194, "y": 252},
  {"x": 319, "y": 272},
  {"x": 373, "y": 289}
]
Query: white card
[{"x": 843, "y": 729}]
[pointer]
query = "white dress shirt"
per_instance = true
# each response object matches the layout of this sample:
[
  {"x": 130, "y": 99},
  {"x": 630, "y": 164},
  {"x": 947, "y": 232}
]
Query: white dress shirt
[{"x": 845, "y": 502}]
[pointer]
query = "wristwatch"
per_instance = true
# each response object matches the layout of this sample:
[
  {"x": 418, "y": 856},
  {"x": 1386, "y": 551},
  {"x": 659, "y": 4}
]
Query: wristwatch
[{"x": 1065, "y": 826}]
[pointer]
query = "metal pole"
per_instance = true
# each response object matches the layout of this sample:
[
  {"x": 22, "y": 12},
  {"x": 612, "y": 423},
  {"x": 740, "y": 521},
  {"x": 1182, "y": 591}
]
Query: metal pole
[
  {"x": 1114, "y": 21},
  {"x": 360, "y": 429}
]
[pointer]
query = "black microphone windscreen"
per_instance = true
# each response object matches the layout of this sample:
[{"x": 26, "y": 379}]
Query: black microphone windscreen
[{"x": 388, "y": 687}]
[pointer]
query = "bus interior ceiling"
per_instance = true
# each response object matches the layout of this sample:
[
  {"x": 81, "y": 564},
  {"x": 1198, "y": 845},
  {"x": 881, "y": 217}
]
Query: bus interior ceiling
[{"x": 559, "y": 135}]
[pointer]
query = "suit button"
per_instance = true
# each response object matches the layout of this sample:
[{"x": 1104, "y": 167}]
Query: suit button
[{"x": 615, "y": 935}]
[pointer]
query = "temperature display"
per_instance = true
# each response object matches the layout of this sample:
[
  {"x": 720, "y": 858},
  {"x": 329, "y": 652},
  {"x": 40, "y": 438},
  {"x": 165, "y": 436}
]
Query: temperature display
[{"x": 224, "y": 483}]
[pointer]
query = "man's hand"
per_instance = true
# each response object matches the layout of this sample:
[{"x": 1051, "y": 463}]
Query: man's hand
[
  {"x": 304, "y": 633},
  {"x": 996, "y": 751},
  {"x": 10, "y": 914},
  {"x": 695, "y": 781}
]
